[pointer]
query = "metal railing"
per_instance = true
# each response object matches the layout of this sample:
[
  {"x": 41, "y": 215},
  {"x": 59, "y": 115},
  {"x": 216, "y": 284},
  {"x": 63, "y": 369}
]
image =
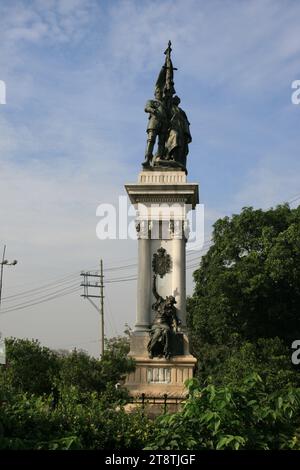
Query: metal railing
[{"x": 163, "y": 400}]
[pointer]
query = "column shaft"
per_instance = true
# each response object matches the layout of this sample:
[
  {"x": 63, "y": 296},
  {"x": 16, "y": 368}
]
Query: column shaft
[
  {"x": 143, "y": 286},
  {"x": 179, "y": 277}
]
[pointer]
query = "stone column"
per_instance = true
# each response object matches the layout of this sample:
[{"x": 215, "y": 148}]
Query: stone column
[
  {"x": 144, "y": 278},
  {"x": 179, "y": 270}
]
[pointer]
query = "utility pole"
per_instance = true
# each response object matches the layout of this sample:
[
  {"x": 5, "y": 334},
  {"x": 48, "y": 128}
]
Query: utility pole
[
  {"x": 86, "y": 284},
  {"x": 3, "y": 263},
  {"x": 102, "y": 306},
  {"x": 1, "y": 273}
]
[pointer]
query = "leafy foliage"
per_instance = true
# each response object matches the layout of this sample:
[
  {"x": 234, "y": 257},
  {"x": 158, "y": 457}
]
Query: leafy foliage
[
  {"x": 77, "y": 422},
  {"x": 239, "y": 417},
  {"x": 36, "y": 369},
  {"x": 30, "y": 366},
  {"x": 244, "y": 313},
  {"x": 54, "y": 401},
  {"x": 243, "y": 317}
]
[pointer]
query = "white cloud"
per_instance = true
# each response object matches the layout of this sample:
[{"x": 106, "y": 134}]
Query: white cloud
[
  {"x": 238, "y": 44},
  {"x": 73, "y": 130},
  {"x": 271, "y": 182},
  {"x": 56, "y": 21}
]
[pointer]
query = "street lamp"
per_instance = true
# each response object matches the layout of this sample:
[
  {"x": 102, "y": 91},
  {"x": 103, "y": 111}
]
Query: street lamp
[{"x": 3, "y": 263}]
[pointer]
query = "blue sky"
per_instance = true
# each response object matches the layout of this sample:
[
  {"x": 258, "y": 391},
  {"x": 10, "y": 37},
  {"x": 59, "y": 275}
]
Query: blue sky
[{"x": 78, "y": 73}]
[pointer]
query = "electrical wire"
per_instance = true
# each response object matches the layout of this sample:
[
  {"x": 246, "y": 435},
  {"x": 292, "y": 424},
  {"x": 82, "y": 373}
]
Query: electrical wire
[
  {"x": 38, "y": 290},
  {"x": 45, "y": 292},
  {"x": 54, "y": 295},
  {"x": 42, "y": 295}
]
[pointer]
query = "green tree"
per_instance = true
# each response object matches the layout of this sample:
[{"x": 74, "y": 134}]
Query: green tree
[
  {"x": 91, "y": 374},
  {"x": 30, "y": 367},
  {"x": 115, "y": 361},
  {"x": 230, "y": 363},
  {"x": 247, "y": 294},
  {"x": 245, "y": 416},
  {"x": 36, "y": 369},
  {"x": 79, "y": 421},
  {"x": 81, "y": 370},
  {"x": 54, "y": 401}
]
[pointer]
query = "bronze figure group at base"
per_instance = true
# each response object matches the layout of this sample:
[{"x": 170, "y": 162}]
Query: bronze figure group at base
[
  {"x": 168, "y": 123},
  {"x": 165, "y": 325}
]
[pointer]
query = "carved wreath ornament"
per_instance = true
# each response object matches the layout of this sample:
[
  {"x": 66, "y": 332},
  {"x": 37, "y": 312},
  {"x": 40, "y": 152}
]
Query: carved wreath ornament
[{"x": 161, "y": 262}]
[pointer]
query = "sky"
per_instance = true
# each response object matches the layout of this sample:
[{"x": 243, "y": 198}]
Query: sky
[{"x": 73, "y": 132}]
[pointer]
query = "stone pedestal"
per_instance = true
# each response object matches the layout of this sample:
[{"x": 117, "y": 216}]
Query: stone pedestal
[
  {"x": 158, "y": 377},
  {"x": 162, "y": 199}
]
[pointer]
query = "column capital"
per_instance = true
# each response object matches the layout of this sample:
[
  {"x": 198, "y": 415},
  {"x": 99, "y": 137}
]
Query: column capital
[
  {"x": 142, "y": 228},
  {"x": 176, "y": 228}
]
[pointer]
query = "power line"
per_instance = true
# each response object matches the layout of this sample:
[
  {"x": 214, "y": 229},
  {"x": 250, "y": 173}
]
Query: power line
[
  {"x": 296, "y": 198},
  {"x": 43, "y": 293},
  {"x": 46, "y": 299},
  {"x": 39, "y": 290},
  {"x": 42, "y": 296}
]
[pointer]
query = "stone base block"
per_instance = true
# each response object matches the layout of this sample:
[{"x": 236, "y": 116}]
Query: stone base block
[
  {"x": 158, "y": 377},
  {"x": 158, "y": 384},
  {"x": 158, "y": 176}
]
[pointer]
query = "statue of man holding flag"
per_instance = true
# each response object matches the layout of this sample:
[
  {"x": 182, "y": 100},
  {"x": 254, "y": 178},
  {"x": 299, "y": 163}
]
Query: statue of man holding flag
[{"x": 168, "y": 124}]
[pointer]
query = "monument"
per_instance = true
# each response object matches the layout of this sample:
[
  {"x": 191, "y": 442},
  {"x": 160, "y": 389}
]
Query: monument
[{"x": 162, "y": 197}]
